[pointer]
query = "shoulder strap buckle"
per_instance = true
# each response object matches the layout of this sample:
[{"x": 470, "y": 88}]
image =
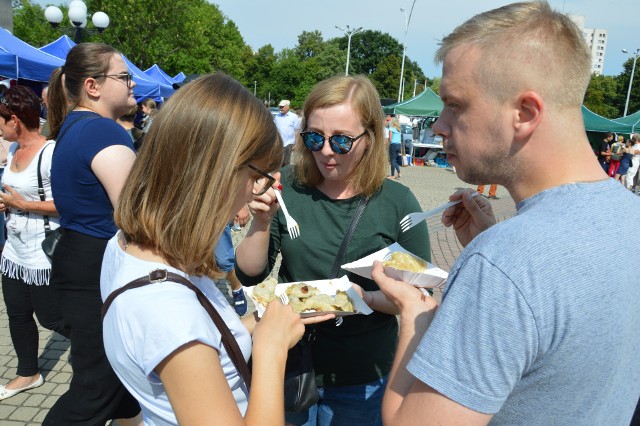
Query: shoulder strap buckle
[{"x": 158, "y": 275}]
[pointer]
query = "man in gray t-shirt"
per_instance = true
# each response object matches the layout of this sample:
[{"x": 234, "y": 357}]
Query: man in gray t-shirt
[{"x": 539, "y": 323}]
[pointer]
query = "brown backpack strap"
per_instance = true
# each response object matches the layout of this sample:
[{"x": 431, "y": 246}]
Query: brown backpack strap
[{"x": 229, "y": 342}]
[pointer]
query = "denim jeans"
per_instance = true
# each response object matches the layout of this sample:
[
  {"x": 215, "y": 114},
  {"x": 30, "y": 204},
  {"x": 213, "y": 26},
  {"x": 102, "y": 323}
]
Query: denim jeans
[{"x": 344, "y": 406}]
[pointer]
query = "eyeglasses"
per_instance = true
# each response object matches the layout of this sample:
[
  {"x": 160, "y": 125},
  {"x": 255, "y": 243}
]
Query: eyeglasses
[
  {"x": 263, "y": 183},
  {"x": 125, "y": 77},
  {"x": 340, "y": 144}
]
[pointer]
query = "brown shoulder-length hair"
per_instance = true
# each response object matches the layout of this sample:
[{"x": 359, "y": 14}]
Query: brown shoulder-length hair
[
  {"x": 369, "y": 175},
  {"x": 22, "y": 102},
  {"x": 180, "y": 193},
  {"x": 83, "y": 60}
]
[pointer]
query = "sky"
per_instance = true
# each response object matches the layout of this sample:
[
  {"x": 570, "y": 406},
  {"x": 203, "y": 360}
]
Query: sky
[{"x": 279, "y": 23}]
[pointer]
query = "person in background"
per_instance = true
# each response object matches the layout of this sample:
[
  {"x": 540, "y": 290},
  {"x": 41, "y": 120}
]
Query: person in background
[
  {"x": 25, "y": 267},
  {"x": 493, "y": 190},
  {"x": 395, "y": 145},
  {"x": 225, "y": 259},
  {"x": 625, "y": 163},
  {"x": 44, "y": 128},
  {"x": 521, "y": 336},
  {"x": 616, "y": 156},
  {"x": 149, "y": 109},
  {"x": 342, "y": 163},
  {"x": 91, "y": 161},
  {"x": 635, "y": 162},
  {"x": 161, "y": 342},
  {"x": 604, "y": 151},
  {"x": 126, "y": 121},
  {"x": 288, "y": 124}
]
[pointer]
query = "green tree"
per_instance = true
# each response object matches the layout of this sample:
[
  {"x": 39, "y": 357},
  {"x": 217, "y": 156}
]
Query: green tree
[
  {"x": 602, "y": 96},
  {"x": 30, "y": 25},
  {"x": 624, "y": 78},
  {"x": 386, "y": 77}
]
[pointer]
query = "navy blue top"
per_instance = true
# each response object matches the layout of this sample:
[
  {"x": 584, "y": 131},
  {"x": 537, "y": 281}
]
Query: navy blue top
[{"x": 81, "y": 200}]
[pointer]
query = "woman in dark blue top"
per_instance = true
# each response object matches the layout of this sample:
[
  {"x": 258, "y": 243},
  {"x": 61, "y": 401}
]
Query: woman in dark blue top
[{"x": 92, "y": 159}]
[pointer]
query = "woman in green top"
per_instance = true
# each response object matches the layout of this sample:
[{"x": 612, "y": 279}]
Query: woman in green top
[{"x": 342, "y": 157}]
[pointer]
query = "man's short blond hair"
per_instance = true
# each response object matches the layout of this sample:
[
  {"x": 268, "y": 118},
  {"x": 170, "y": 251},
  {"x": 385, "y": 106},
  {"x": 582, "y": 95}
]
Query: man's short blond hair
[{"x": 526, "y": 46}]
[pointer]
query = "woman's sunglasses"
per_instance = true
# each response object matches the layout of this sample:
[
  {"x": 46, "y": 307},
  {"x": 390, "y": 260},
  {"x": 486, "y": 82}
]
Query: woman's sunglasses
[{"x": 340, "y": 144}]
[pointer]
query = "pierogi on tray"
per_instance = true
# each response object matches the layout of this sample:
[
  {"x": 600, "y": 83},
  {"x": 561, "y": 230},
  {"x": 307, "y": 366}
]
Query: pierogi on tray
[{"x": 311, "y": 298}]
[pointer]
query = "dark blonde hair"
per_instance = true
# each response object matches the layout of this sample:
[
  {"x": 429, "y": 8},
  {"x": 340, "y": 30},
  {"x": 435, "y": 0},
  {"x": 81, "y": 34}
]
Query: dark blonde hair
[
  {"x": 526, "y": 46},
  {"x": 180, "y": 193},
  {"x": 369, "y": 175},
  {"x": 83, "y": 60}
]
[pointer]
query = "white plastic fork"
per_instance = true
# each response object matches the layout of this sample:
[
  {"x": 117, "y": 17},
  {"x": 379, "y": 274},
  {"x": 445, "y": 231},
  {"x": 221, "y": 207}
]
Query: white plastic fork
[
  {"x": 412, "y": 219},
  {"x": 292, "y": 225}
]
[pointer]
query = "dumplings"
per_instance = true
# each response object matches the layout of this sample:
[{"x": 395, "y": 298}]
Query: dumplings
[
  {"x": 304, "y": 298},
  {"x": 405, "y": 262},
  {"x": 265, "y": 292}
]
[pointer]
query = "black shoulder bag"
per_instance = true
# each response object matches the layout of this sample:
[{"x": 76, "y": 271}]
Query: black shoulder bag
[
  {"x": 228, "y": 341},
  {"x": 300, "y": 389},
  {"x": 52, "y": 237}
]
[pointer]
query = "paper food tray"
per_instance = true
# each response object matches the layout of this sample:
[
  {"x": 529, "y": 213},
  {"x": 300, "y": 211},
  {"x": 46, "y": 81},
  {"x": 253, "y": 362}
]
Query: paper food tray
[
  {"x": 329, "y": 287},
  {"x": 432, "y": 277}
]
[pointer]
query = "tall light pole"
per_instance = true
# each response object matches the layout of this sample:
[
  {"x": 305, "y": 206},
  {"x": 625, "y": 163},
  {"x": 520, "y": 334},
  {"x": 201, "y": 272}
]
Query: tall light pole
[
  {"x": 348, "y": 32},
  {"x": 255, "y": 86},
  {"x": 407, "y": 20},
  {"x": 78, "y": 18},
  {"x": 633, "y": 70}
]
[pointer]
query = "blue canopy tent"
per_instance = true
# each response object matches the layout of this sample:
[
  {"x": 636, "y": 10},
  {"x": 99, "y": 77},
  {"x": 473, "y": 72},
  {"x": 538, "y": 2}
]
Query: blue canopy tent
[
  {"x": 59, "y": 48},
  {"x": 146, "y": 87},
  {"x": 21, "y": 60},
  {"x": 157, "y": 73},
  {"x": 179, "y": 77}
]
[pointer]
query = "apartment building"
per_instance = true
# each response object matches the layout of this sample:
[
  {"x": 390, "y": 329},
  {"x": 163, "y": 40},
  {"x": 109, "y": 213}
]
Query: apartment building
[{"x": 596, "y": 40}]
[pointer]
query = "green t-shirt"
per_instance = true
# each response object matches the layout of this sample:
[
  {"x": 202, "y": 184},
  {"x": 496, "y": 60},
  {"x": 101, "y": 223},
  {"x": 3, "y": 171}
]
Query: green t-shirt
[{"x": 361, "y": 350}]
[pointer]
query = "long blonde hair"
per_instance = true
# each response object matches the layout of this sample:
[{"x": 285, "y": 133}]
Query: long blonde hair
[
  {"x": 369, "y": 175},
  {"x": 180, "y": 193}
]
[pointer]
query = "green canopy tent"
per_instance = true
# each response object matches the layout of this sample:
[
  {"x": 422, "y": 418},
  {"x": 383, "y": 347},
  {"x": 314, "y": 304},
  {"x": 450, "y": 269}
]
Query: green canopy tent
[
  {"x": 426, "y": 104},
  {"x": 632, "y": 120},
  {"x": 597, "y": 123}
]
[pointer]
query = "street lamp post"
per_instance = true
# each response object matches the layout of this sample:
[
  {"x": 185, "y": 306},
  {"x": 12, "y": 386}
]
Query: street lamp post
[
  {"x": 633, "y": 70},
  {"x": 407, "y": 20},
  {"x": 348, "y": 32},
  {"x": 255, "y": 86},
  {"x": 78, "y": 18}
]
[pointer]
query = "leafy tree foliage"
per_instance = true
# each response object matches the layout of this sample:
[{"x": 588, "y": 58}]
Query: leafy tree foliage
[{"x": 603, "y": 96}]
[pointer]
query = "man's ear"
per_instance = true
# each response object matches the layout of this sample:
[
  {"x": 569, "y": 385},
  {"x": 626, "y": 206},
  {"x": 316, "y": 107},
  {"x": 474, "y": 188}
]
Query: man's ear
[
  {"x": 529, "y": 109},
  {"x": 92, "y": 87}
]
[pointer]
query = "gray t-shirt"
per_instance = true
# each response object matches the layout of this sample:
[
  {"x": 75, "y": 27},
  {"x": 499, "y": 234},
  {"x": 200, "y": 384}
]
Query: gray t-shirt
[{"x": 540, "y": 322}]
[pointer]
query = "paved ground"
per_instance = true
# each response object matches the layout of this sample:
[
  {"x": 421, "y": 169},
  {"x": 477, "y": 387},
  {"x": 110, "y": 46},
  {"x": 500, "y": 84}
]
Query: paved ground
[{"x": 431, "y": 185}]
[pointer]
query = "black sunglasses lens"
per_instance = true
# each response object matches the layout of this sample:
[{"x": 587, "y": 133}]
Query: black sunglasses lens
[
  {"x": 313, "y": 140},
  {"x": 341, "y": 144}
]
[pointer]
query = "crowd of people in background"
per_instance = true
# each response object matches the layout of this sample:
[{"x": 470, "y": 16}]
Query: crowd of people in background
[
  {"x": 621, "y": 159},
  {"x": 145, "y": 199}
]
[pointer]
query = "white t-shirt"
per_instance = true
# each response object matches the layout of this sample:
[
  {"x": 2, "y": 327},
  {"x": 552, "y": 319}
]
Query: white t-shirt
[
  {"x": 23, "y": 256},
  {"x": 145, "y": 325}
]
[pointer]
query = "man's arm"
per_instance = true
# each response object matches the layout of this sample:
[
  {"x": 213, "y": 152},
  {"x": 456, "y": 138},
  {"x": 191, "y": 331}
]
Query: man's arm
[{"x": 408, "y": 401}]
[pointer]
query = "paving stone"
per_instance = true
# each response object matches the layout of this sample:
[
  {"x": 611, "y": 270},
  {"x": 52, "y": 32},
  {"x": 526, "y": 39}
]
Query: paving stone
[{"x": 24, "y": 414}]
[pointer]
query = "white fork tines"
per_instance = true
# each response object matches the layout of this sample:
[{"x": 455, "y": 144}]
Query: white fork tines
[
  {"x": 412, "y": 219},
  {"x": 284, "y": 298},
  {"x": 292, "y": 225}
]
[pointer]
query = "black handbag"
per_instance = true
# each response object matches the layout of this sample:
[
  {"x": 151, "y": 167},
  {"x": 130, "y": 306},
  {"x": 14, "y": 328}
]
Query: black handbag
[
  {"x": 300, "y": 388},
  {"x": 52, "y": 236}
]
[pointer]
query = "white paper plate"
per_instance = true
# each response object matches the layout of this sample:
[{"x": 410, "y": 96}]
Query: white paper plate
[{"x": 432, "y": 277}]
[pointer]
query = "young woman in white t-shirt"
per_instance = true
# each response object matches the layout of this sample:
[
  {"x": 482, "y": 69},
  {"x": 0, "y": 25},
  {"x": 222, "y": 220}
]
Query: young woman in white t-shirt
[{"x": 209, "y": 151}]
